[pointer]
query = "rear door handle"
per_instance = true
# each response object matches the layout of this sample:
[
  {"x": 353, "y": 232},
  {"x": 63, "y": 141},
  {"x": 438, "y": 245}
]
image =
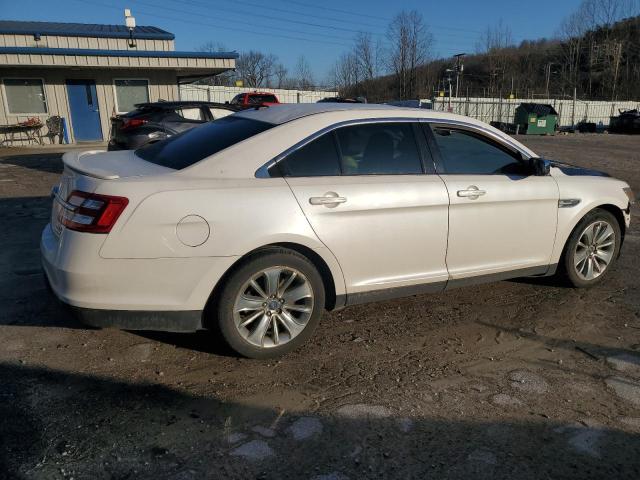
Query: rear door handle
[
  {"x": 329, "y": 199},
  {"x": 472, "y": 192}
]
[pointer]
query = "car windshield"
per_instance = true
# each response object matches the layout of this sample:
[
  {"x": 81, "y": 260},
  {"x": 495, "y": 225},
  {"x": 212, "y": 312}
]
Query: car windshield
[{"x": 189, "y": 147}]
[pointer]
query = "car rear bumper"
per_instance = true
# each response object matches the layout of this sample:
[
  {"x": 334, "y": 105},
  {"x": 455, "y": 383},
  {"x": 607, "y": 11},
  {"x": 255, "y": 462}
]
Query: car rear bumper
[
  {"x": 139, "y": 294},
  {"x": 164, "y": 321}
]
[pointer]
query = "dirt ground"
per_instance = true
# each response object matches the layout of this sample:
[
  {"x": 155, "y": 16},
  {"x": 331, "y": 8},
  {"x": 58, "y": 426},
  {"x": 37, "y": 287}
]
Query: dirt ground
[{"x": 520, "y": 379}]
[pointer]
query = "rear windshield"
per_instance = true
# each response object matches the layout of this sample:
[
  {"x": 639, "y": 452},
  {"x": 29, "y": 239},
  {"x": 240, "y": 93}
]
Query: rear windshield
[
  {"x": 257, "y": 99},
  {"x": 189, "y": 147}
]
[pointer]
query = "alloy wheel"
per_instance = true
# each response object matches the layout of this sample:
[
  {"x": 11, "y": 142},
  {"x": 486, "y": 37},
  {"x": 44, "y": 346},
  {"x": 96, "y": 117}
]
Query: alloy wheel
[
  {"x": 594, "y": 250},
  {"x": 273, "y": 306}
]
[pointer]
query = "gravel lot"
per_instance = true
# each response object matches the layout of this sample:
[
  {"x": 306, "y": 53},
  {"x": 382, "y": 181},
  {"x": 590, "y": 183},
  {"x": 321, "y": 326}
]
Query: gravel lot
[{"x": 519, "y": 379}]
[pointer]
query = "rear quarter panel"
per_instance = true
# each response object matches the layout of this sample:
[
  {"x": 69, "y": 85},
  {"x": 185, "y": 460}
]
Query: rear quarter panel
[{"x": 242, "y": 214}]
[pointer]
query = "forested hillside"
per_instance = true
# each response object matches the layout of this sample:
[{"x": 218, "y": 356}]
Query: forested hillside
[{"x": 598, "y": 57}]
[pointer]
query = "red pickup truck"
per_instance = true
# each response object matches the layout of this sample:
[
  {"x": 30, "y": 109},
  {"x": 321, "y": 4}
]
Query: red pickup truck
[{"x": 253, "y": 99}]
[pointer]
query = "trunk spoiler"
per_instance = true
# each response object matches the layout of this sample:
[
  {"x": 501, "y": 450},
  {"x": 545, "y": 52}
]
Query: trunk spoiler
[
  {"x": 111, "y": 165},
  {"x": 72, "y": 160}
]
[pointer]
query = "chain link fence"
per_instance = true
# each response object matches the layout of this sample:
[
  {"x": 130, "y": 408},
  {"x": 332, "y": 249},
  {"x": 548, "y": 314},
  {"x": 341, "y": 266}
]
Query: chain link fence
[{"x": 570, "y": 112}]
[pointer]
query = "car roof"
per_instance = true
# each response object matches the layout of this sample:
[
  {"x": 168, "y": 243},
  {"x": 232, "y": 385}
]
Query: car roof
[
  {"x": 287, "y": 112},
  {"x": 284, "y": 113}
]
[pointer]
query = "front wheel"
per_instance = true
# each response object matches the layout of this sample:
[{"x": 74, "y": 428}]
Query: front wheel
[
  {"x": 271, "y": 304},
  {"x": 591, "y": 249}
]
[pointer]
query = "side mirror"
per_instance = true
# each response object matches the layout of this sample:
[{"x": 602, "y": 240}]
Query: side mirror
[{"x": 540, "y": 166}]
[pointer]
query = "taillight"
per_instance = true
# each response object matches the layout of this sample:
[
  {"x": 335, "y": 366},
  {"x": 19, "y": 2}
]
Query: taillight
[
  {"x": 93, "y": 213},
  {"x": 130, "y": 123}
]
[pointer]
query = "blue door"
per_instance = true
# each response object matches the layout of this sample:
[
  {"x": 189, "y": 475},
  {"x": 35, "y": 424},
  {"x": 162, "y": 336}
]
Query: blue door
[{"x": 85, "y": 114}]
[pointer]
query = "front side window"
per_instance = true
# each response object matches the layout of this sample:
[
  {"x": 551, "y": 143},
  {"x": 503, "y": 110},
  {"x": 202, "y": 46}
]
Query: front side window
[
  {"x": 25, "y": 95},
  {"x": 129, "y": 92},
  {"x": 379, "y": 149},
  {"x": 191, "y": 146},
  {"x": 465, "y": 152},
  {"x": 237, "y": 100}
]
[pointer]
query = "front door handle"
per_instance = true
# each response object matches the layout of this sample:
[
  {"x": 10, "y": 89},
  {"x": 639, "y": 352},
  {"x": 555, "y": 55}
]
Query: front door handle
[
  {"x": 472, "y": 192},
  {"x": 329, "y": 199}
]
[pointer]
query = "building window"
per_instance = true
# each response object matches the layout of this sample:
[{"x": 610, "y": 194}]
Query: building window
[
  {"x": 129, "y": 92},
  {"x": 25, "y": 95}
]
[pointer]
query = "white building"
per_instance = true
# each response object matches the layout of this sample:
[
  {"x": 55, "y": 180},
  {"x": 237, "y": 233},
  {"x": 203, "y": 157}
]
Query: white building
[{"x": 85, "y": 73}]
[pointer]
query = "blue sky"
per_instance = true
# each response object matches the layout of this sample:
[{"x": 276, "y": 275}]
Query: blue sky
[{"x": 319, "y": 30}]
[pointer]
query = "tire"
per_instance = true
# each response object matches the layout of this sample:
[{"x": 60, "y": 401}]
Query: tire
[
  {"x": 572, "y": 268},
  {"x": 254, "y": 324}
]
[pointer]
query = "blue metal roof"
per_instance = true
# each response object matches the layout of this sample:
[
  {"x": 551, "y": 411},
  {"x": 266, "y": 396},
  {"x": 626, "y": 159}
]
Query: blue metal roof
[
  {"x": 82, "y": 30},
  {"x": 115, "y": 53}
]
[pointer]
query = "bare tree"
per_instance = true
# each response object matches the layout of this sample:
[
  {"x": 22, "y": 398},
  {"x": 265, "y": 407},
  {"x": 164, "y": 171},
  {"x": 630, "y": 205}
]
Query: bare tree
[
  {"x": 494, "y": 43},
  {"x": 304, "y": 74},
  {"x": 409, "y": 47},
  {"x": 212, "y": 47},
  {"x": 345, "y": 72},
  {"x": 280, "y": 72},
  {"x": 255, "y": 68},
  {"x": 226, "y": 78},
  {"x": 368, "y": 56}
]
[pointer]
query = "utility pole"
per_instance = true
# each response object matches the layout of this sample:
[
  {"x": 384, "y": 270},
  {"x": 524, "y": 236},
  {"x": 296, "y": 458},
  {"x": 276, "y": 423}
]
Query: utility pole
[
  {"x": 449, "y": 72},
  {"x": 459, "y": 68},
  {"x": 548, "y": 78},
  {"x": 617, "y": 54}
]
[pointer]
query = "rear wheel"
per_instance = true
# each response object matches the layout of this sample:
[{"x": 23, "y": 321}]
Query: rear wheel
[
  {"x": 271, "y": 304},
  {"x": 591, "y": 249}
]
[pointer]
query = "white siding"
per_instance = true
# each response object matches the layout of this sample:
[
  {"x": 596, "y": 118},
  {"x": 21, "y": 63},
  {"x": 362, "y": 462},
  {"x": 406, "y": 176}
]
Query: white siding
[
  {"x": 162, "y": 85},
  {"x": 53, "y": 41}
]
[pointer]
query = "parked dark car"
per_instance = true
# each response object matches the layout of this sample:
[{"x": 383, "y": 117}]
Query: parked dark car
[
  {"x": 342, "y": 100},
  {"x": 152, "y": 122},
  {"x": 627, "y": 122}
]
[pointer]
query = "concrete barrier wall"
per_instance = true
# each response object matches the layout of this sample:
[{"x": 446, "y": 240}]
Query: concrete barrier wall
[{"x": 225, "y": 94}]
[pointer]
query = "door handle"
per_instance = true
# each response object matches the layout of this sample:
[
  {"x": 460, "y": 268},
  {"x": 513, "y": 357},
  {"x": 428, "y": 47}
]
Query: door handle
[
  {"x": 329, "y": 199},
  {"x": 472, "y": 192}
]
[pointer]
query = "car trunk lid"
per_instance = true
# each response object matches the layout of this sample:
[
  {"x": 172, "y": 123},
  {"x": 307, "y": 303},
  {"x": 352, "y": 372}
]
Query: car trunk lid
[{"x": 85, "y": 171}]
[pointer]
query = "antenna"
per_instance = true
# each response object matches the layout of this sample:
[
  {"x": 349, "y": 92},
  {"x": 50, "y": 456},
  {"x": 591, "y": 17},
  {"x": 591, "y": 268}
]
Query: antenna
[{"x": 130, "y": 22}]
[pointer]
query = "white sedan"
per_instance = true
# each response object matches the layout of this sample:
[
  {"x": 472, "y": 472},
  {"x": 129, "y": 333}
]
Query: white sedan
[{"x": 254, "y": 224}]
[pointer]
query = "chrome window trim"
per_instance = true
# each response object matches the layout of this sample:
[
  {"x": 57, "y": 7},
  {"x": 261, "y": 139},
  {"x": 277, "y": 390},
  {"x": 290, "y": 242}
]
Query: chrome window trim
[
  {"x": 486, "y": 132},
  {"x": 263, "y": 171}
]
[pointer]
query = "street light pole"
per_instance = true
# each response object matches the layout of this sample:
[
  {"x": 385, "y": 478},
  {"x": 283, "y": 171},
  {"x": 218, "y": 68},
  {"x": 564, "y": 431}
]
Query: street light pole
[{"x": 459, "y": 68}]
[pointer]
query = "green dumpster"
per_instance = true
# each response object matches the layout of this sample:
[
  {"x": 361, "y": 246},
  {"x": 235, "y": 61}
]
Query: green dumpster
[{"x": 536, "y": 119}]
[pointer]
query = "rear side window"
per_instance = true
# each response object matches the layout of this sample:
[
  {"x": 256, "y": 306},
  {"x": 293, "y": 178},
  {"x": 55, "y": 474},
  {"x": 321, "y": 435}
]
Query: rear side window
[
  {"x": 190, "y": 113},
  {"x": 189, "y": 147},
  {"x": 379, "y": 149},
  {"x": 318, "y": 158},
  {"x": 217, "y": 113},
  {"x": 465, "y": 152}
]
